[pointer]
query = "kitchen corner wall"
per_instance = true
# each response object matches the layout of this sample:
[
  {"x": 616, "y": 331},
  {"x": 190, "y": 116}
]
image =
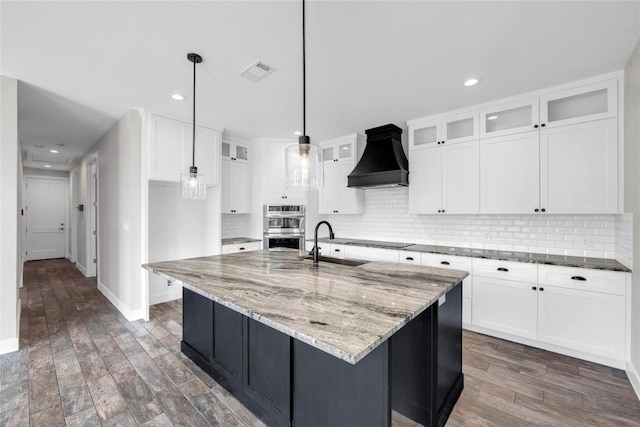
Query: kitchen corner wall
[{"x": 387, "y": 218}]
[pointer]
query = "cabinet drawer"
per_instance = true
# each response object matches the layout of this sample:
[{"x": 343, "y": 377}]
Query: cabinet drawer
[
  {"x": 448, "y": 261},
  {"x": 371, "y": 254},
  {"x": 336, "y": 251},
  {"x": 508, "y": 270},
  {"x": 407, "y": 257},
  {"x": 240, "y": 247},
  {"x": 584, "y": 279}
]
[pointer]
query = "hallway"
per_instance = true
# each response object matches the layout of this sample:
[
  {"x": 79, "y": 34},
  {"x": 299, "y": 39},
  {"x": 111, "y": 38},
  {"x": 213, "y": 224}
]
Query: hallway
[{"x": 81, "y": 363}]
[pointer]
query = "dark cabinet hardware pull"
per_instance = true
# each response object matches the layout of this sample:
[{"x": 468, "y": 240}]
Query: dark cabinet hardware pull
[
  {"x": 444, "y": 262},
  {"x": 443, "y": 142},
  {"x": 336, "y": 250},
  {"x": 409, "y": 258},
  {"x": 541, "y": 289},
  {"x": 502, "y": 269},
  {"x": 439, "y": 210},
  {"x": 242, "y": 249},
  {"x": 579, "y": 278},
  {"x": 543, "y": 210},
  {"x": 438, "y": 142},
  {"x": 542, "y": 125},
  {"x": 534, "y": 288},
  {"x": 535, "y": 126},
  {"x": 442, "y": 210},
  {"x": 536, "y": 209}
]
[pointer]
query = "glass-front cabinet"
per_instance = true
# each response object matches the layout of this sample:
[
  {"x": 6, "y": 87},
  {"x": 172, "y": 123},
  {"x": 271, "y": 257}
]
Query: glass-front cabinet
[
  {"x": 507, "y": 119},
  {"x": 585, "y": 103},
  {"x": 235, "y": 151},
  {"x": 436, "y": 130}
]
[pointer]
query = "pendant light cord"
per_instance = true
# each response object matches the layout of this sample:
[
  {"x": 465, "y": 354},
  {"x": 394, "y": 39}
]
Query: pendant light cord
[
  {"x": 193, "y": 151},
  {"x": 304, "y": 77}
]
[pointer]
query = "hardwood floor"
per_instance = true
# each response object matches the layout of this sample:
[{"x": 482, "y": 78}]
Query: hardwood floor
[{"x": 82, "y": 363}]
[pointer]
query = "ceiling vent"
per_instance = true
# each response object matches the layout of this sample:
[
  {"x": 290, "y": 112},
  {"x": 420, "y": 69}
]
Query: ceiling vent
[{"x": 257, "y": 71}]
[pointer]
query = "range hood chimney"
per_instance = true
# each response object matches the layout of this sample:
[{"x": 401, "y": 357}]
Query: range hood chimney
[{"x": 383, "y": 163}]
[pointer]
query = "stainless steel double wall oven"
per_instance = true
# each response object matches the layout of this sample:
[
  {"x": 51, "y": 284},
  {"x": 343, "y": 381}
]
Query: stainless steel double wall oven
[{"x": 283, "y": 227}]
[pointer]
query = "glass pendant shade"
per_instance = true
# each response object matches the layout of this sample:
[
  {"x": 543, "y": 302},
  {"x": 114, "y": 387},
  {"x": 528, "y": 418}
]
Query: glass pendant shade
[
  {"x": 304, "y": 165},
  {"x": 193, "y": 185}
]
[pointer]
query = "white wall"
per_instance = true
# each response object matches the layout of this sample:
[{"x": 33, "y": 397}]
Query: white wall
[
  {"x": 632, "y": 197},
  {"x": 10, "y": 245},
  {"x": 180, "y": 228},
  {"x": 45, "y": 172},
  {"x": 119, "y": 206}
]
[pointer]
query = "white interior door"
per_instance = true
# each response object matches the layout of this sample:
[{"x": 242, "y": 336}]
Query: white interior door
[{"x": 46, "y": 223}]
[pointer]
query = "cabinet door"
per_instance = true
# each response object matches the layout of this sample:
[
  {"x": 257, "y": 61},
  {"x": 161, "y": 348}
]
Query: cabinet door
[
  {"x": 507, "y": 119},
  {"x": 460, "y": 170},
  {"x": 596, "y": 321},
  {"x": 425, "y": 171},
  {"x": 273, "y": 160},
  {"x": 579, "y": 168},
  {"x": 227, "y": 341},
  {"x": 207, "y": 154},
  {"x": 168, "y": 144},
  {"x": 197, "y": 323},
  {"x": 509, "y": 174},
  {"x": 227, "y": 186},
  {"x": 328, "y": 196},
  {"x": 581, "y": 104},
  {"x": 241, "y": 153},
  {"x": 241, "y": 187},
  {"x": 425, "y": 133},
  {"x": 505, "y": 306},
  {"x": 349, "y": 200},
  {"x": 460, "y": 127}
]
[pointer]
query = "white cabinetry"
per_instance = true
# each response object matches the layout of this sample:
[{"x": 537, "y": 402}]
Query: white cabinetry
[
  {"x": 274, "y": 182},
  {"x": 241, "y": 247},
  {"x": 370, "y": 254},
  {"x": 510, "y": 118},
  {"x": 171, "y": 152},
  {"x": 339, "y": 157},
  {"x": 574, "y": 311},
  {"x": 455, "y": 263},
  {"x": 580, "y": 104},
  {"x": 444, "y": 179},
  {"x": 236, "y": 178},
  {"x": 439, "y": 129}
]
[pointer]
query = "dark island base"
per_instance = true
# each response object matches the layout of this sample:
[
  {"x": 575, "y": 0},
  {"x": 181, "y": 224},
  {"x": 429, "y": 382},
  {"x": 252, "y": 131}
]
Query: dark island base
[{"x": 417, "y": 372}]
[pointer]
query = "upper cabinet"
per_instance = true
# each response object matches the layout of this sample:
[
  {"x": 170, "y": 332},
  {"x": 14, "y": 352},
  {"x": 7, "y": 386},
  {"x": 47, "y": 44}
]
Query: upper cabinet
[
  {"x": 577, "y": 105},
  {"x": 171, "y": 150},
  {"x": 236, "y": 178},
  {"x": 274, "y": 183},
  {"x": 424, "y": 133},
  {"x": 339, "y": 157}
]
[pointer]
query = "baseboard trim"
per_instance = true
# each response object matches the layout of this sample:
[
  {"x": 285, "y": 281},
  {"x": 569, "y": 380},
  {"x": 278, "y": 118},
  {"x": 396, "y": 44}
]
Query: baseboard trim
[
  {"x": 166, "y": 296},
  {"x": 82, "y": 269},
  {"x": 9, "y": 345},
  {"x": 634, "y": 378},
  {"x": 131, "y": 315}
]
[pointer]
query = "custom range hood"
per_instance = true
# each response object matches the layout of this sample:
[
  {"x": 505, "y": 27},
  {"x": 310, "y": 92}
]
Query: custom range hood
[{"x": 383, "y": 163}]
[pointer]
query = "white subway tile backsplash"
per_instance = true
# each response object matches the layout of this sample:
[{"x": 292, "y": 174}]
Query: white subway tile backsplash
[
  {"x": 387, "y": 218},
  {"x": 235, "y": 226}
]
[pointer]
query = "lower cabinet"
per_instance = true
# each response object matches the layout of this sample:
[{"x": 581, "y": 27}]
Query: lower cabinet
[{"x": 241, "y": 247}]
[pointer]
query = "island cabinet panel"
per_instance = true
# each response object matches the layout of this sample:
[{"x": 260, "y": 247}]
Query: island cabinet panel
[
  {"x": 328, "y": 391},
  {"x": 267, "y": 367},
  {"x": 227, "y": 340},
  {"x": 197, "y": 323}
]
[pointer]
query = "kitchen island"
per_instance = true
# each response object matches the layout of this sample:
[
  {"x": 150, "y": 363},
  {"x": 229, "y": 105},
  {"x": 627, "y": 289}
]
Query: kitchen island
[{"x": 328, "y": 344}]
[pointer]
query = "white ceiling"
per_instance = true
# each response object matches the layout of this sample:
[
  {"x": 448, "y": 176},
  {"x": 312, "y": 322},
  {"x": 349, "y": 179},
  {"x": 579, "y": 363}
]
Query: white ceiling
[{"x": 83, "y": 64}]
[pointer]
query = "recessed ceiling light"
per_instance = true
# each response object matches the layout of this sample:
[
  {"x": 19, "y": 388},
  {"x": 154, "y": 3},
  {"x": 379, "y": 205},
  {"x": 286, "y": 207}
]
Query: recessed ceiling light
[
  {"x": 297, "y": 133},
  {"x": 492, "y": 117},
  {"x": 471, "y": 82},
  {"x": 178, "y": 97},
  {"x": 54, "y": 151},
  {"x": 47, "y": 166}
]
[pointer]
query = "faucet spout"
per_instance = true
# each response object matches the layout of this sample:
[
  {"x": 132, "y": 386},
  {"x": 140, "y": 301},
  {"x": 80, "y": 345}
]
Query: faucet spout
[{"x": 315, "y": 239}]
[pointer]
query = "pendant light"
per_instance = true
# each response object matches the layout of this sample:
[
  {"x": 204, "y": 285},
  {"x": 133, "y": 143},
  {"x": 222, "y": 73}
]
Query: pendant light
[
  {"x": 304, "y": 160},
  {"x": 192, "y": 184}
]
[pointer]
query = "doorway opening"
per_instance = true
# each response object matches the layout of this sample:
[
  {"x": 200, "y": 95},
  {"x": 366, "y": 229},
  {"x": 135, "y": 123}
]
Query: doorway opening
[
  {"x": 92, "y": 223},
  {"x": 46, "y": 218}
]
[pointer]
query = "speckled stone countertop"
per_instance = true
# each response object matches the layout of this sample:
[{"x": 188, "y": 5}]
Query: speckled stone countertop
[
  {"x": 565, "y": 261},
  {"x": 234, "y": 240},
  {"x": 343, "y": 310}
]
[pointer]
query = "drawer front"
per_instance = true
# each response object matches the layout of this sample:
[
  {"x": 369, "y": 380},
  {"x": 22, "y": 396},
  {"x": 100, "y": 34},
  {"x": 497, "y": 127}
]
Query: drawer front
[
  {"x": 507, "y": 270},
  {"x": 407, "y": 257},
  {"x": 584, "y": 279},
  {"x": 240, "y": 247},
  {"x": 448, "y": 261},
  {"x": 337, "y": 251},
  {"x": 371, "y": 254}
]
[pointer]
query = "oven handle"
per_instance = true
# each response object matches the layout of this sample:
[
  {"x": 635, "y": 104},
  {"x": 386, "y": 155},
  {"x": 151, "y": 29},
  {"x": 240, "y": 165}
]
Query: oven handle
[{"x": 274, "y": 215}]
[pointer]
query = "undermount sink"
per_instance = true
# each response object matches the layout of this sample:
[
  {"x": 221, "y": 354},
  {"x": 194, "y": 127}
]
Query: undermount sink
[{"x": 349, "y": 262}]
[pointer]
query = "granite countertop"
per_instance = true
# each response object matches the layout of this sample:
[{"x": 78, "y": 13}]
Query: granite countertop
[
  {"x": 345, "y": 311},
  {"x": 235, "y": 240},
  {"x": 560, "y": 260}
]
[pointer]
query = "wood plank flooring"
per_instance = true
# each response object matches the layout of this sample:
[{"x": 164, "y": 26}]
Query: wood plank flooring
[{"x": 81, "y": 363}]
